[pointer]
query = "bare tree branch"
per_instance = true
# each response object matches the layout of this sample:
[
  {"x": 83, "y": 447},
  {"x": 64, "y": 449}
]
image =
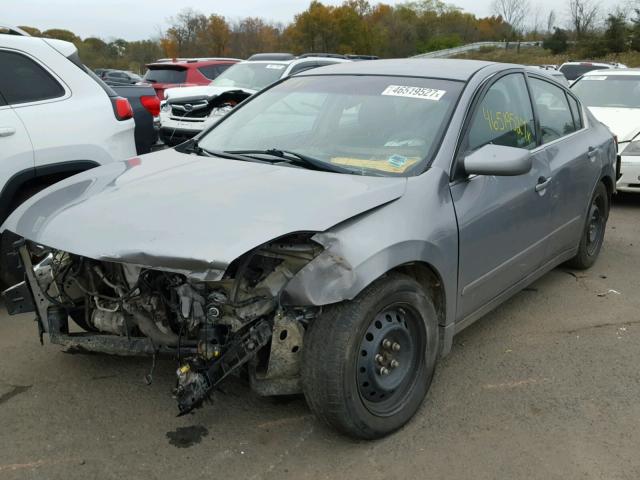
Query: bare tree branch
[
  {"x": 583, "y": 15},
  {"x": 514, "y": 12}
]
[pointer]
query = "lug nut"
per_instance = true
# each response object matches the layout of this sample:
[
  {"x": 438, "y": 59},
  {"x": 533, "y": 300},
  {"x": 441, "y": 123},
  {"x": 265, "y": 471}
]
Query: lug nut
[
  {"x": 379, "y": 358},
  {"x": 395, "y": 364},
  {"x": 384, "y": 371},
  {"x": 386, "y": 343},
  {"x": 396, "y": 347}
]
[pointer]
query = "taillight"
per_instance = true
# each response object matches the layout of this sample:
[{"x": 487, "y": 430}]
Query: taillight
[
  {"x": 133, "y": 162},
  {"x": 151, "y": 103},
  {"x": 122, "y": 108}
]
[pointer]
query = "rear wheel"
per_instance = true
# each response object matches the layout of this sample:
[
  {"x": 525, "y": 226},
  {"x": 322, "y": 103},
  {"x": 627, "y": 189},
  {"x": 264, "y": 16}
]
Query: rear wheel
[
  {"x": 368, "y": 363},
  {"x": 11, "y": 271},
  {"x": 593, "y": 233}
]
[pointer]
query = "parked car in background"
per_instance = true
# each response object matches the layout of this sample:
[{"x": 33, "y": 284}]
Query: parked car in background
[
  {"x": 613, "y": 96},
  {"x": 551, "y": 72},
  {"x": 56, "y": 119},
  {"x": 101, "y": 71},
  {"x": 188, "y": 111},
  {"x": 331, "y": 234},
  {"x": 573, "y": 70},
  {"x": 121, "y": 77},
  {"x": 146, "y": 113},
  {"x": 183, "y": 72},
  {"x": 271, "y": 56}
]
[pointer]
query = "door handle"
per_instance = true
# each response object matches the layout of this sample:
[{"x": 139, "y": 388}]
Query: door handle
[
  {"x": 543, "y": 183},
  {"x": 592, "y": 152},
  {"x": 7, "y": 131}
]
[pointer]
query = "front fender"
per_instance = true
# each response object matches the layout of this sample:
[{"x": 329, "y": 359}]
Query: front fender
[
  {"x": 419, "y": 227},
  {"x": 330, "y": 278}
]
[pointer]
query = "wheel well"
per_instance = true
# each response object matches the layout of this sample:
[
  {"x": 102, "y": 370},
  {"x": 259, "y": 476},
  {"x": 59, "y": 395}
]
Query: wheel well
[
  {"x": 27, "y": 183},
  {"x": 609, "y": 184},
  {"x": 34, "y": 185},
  {"x": 429, "y": 278}
]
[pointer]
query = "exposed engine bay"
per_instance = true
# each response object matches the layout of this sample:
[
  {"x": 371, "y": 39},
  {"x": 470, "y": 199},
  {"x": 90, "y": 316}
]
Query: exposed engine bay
[{"x": 213, "y": 328}]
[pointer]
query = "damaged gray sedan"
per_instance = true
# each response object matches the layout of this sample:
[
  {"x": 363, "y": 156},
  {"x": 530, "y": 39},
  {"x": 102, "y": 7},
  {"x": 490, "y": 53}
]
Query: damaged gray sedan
[{"x": 331, "y": 235}]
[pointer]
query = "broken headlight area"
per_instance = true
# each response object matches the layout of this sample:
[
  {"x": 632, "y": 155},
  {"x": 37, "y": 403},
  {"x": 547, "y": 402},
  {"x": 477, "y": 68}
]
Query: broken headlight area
[
  {"x": 212, "y": 327},
  {"x": 204, "y": 107}
]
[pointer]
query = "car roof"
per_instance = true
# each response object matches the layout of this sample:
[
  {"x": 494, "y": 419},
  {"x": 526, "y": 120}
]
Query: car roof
[
  {"x": 614, "y": 71},
  {"x": 12, "y": 30},
  {"x": 299, "y": 60},
  {"x": 588, "y": 62},
  {"x": 269, "y": 62},
  {"x": 449, "y": 69},
  {"x": 194, "y": 62}
]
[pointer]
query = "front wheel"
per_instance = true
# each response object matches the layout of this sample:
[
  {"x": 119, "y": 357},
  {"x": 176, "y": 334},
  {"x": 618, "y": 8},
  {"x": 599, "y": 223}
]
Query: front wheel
[
  {"x": 593, "y": 233},
  {"x": 368, "y": 363}
]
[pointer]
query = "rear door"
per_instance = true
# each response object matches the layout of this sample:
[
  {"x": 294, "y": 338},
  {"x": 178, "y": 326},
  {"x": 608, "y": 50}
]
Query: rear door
[
  {"x": 503, "y": 221},
  {"x": 16, "y": 151},
  {"x": 574, "y": 161}
]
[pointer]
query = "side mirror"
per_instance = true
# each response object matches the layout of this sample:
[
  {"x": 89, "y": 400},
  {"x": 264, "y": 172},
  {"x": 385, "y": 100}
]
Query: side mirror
[{"x": 498, "y": 160}]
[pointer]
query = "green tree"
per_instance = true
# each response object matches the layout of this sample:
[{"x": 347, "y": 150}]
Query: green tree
[
  {"x": 635, "y": 31},
  {"x": 60, "y": 34},
  {"x": 558, "y": 42},
  {"x": 216, "y": 36},
  {"x": 34, "y": 32},
  {"x": 615, "y": 36}
]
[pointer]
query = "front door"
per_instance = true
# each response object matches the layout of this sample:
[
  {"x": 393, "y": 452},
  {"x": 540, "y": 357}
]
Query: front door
[
  {"x": 502, "y": 221},
  {"x": 16, "y": 154}
]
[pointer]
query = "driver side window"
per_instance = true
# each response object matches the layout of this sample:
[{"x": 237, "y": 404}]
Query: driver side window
[{"x": 504, "y": 116}]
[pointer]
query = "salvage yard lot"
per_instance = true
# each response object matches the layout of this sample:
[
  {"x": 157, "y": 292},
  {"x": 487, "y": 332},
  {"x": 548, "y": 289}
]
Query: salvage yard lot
[{"x": 547, "y": 387}]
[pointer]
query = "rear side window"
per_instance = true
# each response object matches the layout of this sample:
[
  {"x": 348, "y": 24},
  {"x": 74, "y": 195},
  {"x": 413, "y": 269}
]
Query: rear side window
[
  {"x": 504, "y": 116},
  {"x": 576, "y": 112},
  {"x": 554, "y": 113},
  {"x": 212, "y": 71},
  {"x": 23, "y": 80},
  {"x": 301, "y": 67},
  {"x": 165, "y": 75},
  {"x": 576, "y": 70}
]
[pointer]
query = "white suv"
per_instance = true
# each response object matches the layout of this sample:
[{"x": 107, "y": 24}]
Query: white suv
[
  {"x": 189, "y": 110},
  {"x": 574, "y": 70},
  {"x": 56, "y": 119}
]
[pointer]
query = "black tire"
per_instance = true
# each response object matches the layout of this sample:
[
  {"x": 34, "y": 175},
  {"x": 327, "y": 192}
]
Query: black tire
[
  {"x": 594, "y": 230},
  {"x": 336, "y": 377},
  {"x": 11, "y": 271}
]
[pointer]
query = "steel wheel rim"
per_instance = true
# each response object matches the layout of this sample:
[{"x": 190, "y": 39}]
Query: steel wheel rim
[
  {"x": 594, "y": 227},
  {"x": 393, "y": 340}
]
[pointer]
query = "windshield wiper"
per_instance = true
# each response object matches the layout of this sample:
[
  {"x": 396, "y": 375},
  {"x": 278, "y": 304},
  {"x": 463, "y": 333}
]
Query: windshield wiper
[
  {"x": 295, "y": 158},
  {"x": 194, "y": 147}
]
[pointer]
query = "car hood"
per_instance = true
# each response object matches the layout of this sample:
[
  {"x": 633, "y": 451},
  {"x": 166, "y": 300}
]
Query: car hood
[
  {"x": 190, "y": 214},
  {"x": 206, "y": 91},
  {"x": 623, "y": 122}
]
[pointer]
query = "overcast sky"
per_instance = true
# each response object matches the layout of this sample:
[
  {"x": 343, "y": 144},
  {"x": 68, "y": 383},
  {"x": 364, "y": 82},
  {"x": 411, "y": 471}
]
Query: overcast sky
[{"x": 140, "y": 19}]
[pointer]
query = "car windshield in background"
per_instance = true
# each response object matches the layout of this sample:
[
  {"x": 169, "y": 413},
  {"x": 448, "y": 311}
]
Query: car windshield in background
[
  {"x": 374, "y": 125},
  {"x": 622, "y": 91},
  {"x": 574, "y": 71},
  {"x": 253, "y": 76},
  {"x": 165, "y": 75}
]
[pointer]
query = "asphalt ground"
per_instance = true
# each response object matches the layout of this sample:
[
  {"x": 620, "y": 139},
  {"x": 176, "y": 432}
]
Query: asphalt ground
[{"x": 545, "y": 387}]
